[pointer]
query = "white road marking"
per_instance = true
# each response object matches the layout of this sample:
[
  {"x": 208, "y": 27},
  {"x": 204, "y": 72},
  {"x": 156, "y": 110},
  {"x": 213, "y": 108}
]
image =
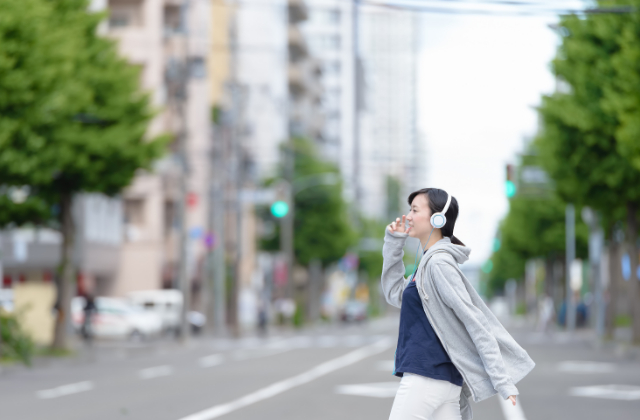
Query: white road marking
[
  {"x": 386, "y": 365},
  {"x": 287, "y": 384},
  {"x": 579, "y": 366},
  {"x": 354, "y": 340},
  {"x": 510, "y": 411},
  {"x": 612, "y": 392},
  {"x": 376, "y": 390},
  {"x": 65, "y": 390},
  {"x": 155, "y": 372},
  {"x": 327, "y": 341},
  {"x": 211, "y": 360}
]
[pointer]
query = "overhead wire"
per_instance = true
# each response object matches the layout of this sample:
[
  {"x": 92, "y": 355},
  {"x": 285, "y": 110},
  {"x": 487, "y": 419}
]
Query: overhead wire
[{"x": 509, "y": 7}]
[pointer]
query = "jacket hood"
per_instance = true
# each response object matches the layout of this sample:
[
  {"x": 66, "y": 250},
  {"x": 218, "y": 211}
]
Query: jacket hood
[{"x": 458, "y": 252}]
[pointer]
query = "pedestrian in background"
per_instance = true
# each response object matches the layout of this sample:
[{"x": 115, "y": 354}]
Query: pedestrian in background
[
  {"x": 449, "y": 343},
  {"x": 546, "y": 313},
  {"x": 87, "y": 326}
]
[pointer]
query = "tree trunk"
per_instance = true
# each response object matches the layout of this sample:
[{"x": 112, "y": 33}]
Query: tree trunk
[
  {"x": 315, "y": 286},
  {"x": 65, "y": 273},
  {"x": 612, "y": 289},
  {"x": 632, "y": 235}
]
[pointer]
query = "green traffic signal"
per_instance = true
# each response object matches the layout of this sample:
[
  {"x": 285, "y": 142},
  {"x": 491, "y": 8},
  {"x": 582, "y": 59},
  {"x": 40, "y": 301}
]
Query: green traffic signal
[
  {"x": 511, "y": 189},
  {"x": 279, "y": 209},
  {"x": 487, "y": 266},
  {"x": 496, "y": 244}
]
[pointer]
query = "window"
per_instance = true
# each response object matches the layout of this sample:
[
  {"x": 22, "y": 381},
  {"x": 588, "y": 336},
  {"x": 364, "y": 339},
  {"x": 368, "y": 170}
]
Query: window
[
  {"x": 325, "y": 16},
  {"x": 172, "y": 20},
  {"x": 331, "y": 69},
  {"x": 325, "y": 43},
  {"x": 125, "y": 13},
  {"x": 134, "y": 211}
]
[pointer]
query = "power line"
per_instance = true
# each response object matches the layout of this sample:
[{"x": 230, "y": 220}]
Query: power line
[{"x": 412, "y": 6}]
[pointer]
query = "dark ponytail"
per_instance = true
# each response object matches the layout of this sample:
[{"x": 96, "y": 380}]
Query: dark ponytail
[{"x": 437, "y": 200}]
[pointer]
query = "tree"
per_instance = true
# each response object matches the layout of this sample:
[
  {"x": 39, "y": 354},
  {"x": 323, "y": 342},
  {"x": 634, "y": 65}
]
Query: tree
[
  {"x": 72, "y": 117},
  {"x": 321, "y": 227},
  {"x": 533, "y": 228},
  {"x": 589, "y": 140}
]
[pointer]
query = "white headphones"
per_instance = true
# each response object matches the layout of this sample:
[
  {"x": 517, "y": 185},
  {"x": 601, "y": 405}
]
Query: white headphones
[{"x": 438, "y": 220}]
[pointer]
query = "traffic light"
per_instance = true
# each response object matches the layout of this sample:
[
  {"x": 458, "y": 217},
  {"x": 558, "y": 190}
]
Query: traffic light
[
  {"x": 279, "y": 209},
  {"x": 487, "y": 266},
  {"x": 511, "y": 181}
]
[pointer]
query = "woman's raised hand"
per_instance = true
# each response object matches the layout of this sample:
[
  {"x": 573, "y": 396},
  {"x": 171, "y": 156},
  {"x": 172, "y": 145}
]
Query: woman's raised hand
[{"x": 399, "y": 225}]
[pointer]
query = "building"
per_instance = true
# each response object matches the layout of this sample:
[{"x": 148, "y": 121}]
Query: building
[
  {"x": 390, "y": 144},
  {"x": 369, "y": 74},
  {"x": 329, "y": 32}
]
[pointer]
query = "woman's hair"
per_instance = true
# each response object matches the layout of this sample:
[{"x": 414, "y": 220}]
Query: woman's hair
[{"x": 437, "y": 199}]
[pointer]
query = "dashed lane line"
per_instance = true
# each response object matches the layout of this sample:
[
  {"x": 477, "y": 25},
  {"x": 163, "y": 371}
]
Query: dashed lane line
[
  {"x": 287, "y": 384},
  {"x": 63, "y": 390},
  {"x": 155, "y": 372}
]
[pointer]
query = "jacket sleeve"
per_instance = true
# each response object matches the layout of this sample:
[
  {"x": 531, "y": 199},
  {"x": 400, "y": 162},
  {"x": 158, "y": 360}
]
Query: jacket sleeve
[
  {"x": 455, "y": 295},
  {"x": 392, "y": 279}
]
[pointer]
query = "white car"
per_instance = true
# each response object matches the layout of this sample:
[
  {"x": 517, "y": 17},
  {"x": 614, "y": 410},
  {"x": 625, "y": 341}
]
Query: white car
[
  {"x": 116, "y": 318},
  {"x": 166, "y": 304},
  {"x": 6, "y": 300}
]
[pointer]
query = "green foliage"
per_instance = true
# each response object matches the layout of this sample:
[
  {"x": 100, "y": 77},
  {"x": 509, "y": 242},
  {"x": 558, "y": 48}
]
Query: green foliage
[
  {"x": 623, "y": 321},
  {"x": 589, "y": 144},
  {"x": 15, "y": 343},
  {"x": 321, "y": 226},
  {"x": 394, "y": 204},
  {"x": 32, "y": 210},
  {"x": 72, "y": 117},
  {"x": 371, "y": 259},
  {"x": 533, "y": 228}
]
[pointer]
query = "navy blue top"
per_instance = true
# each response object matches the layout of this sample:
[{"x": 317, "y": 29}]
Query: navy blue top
[{"x": 419, "y": 348}]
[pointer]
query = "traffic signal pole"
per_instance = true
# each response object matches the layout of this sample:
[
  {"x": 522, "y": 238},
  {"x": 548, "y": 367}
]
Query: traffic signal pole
[
  {"x": 286, "y": 222},
  {"x": 570, "y": 222}
]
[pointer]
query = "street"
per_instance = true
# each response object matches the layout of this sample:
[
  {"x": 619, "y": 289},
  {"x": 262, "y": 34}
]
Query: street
[{"x": 341, "y": 372}]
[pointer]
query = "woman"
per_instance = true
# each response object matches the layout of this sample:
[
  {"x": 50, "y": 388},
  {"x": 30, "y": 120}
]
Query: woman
[{"x": 450, "y": 346}]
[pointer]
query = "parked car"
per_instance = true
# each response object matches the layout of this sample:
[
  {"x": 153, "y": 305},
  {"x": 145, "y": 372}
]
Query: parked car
[
  {"x": 166, "y": 304},
  {"x": 6, "y": 300},
  {"x": 354, "y": 311},
  {"x": 116, "y": 318}
]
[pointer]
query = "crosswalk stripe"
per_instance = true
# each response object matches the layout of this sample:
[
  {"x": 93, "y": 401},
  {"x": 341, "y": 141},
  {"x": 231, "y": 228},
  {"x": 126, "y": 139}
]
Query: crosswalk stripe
[
  {"x": 510, "y": 411},
  {"x": 287, "y": 384},
  {"x": 65, "y": 390}
]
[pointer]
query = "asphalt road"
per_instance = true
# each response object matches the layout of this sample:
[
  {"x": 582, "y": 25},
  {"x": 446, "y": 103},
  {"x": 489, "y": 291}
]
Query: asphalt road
[{"x": 326, "y": 373}]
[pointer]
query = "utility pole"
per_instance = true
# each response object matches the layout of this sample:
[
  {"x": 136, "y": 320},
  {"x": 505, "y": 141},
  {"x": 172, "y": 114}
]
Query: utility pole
[
  {"x": 178, "y": 80},
  {"x": 356, "y": 100},
  {"x": 287, "y": 222},
  {"x": 570, "y": 222},
  {"x": 596, "y": 242},
  {"x": 235, "y": 138}
]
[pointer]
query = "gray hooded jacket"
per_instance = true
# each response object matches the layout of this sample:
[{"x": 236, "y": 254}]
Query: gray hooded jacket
[{"x": 488, "y": 358}]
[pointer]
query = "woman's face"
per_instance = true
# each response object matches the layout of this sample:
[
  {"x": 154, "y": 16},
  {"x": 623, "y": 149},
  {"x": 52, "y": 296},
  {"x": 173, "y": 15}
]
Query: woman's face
[{"x": 418, "y": 217}]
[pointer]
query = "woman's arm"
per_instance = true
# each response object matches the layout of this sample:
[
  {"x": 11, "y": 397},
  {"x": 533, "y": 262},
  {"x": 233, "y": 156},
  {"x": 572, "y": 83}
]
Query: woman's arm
[
  {"x": 393, "y": 281},
  {"x": 454, "y": 294}
]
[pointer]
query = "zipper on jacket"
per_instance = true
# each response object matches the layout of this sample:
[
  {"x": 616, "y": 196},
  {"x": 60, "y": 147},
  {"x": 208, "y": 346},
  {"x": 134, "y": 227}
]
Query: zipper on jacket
[{"x": 444, "y": 343}]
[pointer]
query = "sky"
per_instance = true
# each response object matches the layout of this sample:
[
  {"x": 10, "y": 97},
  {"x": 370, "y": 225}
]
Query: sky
[{"x": 480, "y": 79}]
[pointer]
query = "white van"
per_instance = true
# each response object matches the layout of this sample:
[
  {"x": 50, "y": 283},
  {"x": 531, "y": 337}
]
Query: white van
[
  {"x": 166, "y": 303},
  {"x": 6, "y": 300},
  {"x": 116, "y": 318}
]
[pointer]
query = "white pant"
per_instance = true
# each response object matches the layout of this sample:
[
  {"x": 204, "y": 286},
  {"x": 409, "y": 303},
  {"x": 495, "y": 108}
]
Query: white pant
[{"x": 423, "y": 398}]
